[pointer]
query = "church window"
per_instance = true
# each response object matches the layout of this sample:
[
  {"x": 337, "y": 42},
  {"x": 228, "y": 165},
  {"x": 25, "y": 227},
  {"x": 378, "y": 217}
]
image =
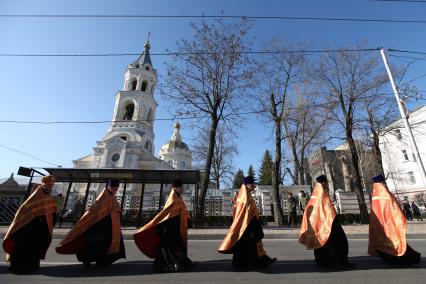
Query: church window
[
  {"x": 144, "y": 85},
  {"x": 130, "y": 109},
  {"x": 149, "y": 117},
  {"x": 182, "y": 165},
  {"x": 132, "y": 84},
  {"x": 148, "y": 146},
  {"x": 147, "y": 68},
  {"x": 115, "y": 157},
  {"x": 124, "y": 138}
]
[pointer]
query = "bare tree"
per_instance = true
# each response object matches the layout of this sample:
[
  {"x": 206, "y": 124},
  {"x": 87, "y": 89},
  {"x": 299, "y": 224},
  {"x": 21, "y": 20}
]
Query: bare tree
[
  {"x": 279, "y": 70},
  {"x": 346, "y": 77},
  {"x": 304, "y": 126},
  {"x": 222, "y": 170},
  {"x": 208, "y": 78}
]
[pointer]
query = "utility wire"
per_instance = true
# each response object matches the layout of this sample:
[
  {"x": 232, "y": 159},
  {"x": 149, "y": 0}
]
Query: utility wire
[
  {"x": 28, "y": 155},
  {"x": 187, "y": 53},
  {"x": 210, "y": 53},
  {"x": 106, "y": 16}
]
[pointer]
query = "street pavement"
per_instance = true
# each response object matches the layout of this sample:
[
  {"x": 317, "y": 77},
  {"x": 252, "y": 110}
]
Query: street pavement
[{"x": 294, "y": 265}]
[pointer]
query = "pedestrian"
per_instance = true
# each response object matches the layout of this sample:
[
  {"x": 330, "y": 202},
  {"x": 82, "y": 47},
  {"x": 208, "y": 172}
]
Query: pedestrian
[
  {"x": 97, "y": 237},
  {"x": 321, "y": 231},
  {"x": 244, "y": 238},
  {"x": 303, "y": 201},
  {"x": 416, "y": 211},
  {"x": 387, "y": 228},
  {"x": 30, "y": 234},
  {"x": 407, "y": 209},
  {"x": 291, "y": 209},
  {"x": 165, "y": 238}
]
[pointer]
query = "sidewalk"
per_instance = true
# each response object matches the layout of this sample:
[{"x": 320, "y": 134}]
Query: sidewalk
[{"x": 415, "y": 230}]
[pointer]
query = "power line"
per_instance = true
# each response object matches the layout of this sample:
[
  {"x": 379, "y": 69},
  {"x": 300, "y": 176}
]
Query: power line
[
  {"x": 76, "y": 16},
  {"x": 202, "y": 52},
  {"x": 28, "y": 155},
  {"x": 406, "y": 1},
  {"x": 187, "y": 53}
]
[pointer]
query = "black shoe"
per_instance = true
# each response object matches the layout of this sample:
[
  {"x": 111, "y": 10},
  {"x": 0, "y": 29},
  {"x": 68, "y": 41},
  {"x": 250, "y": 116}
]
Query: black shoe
[
  {"x": 266, "y": 261},
  {"x": 86, "y": 264}
]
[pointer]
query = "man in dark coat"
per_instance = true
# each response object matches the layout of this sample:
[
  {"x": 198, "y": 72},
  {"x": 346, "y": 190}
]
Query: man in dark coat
[
  {"x": 416, "y": 211},
  {"x": 97, "y": 237},
  {"x": 30, "y": 233}
]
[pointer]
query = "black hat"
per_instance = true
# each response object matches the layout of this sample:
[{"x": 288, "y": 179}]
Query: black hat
[
  {"x": 177, "y": 183},
  {"x": 378, "y": 178},
  {"x": 248, "y": 180},
  {"x": 322, "y": 178},
  {"x": 113, "y": 183}
]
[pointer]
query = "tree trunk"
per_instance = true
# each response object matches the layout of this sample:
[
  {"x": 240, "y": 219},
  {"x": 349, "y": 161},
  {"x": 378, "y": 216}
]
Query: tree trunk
[
  {"x": 357, "y": 180},
  {"x": 276, "y": 176},
  {"x": 207, "y": 168}
]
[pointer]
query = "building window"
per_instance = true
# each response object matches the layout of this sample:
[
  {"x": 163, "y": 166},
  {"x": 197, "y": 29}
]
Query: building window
[
  {"x": 398, "y": 134},
  {"x": 404, "y": 152},
  {"x": 115, "y": 157},
  {"x": 412, "y": 178},
  {"x": 144, "y": 85},
  {"x": 148, "y": 146},
  {"x": 132, "y": 84},
  {"x": 149, "y": 117},
  {"x": 130, "y": 109},
  {"x": 182, "y": 165}
]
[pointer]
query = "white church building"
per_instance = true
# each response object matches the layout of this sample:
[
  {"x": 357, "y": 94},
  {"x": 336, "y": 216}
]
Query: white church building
[{"x": 129, "y": 142}]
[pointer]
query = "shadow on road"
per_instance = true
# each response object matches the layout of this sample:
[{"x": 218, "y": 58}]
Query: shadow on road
[{"x": 131, "y": 268}]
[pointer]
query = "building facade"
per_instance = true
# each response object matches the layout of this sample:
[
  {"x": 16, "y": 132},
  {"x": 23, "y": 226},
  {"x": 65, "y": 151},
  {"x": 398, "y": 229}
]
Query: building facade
[{"x": 399, "y": 162}]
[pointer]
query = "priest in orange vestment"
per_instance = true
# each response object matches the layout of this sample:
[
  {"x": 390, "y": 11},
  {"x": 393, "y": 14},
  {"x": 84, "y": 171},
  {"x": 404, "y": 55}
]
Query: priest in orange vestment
[
  {"x": 165, "y": 238},
  {"x": 30, "y": 234},
  {"x": 321, "y": 231},
  {"x": 388, "y": 226},
  {"x": 97, "y": 237},
  {"x": 244, "y": 238}
]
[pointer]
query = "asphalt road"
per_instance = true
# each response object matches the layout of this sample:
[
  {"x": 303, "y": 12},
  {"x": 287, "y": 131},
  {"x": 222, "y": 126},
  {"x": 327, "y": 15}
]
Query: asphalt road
[{"x": 295, "y": 265}]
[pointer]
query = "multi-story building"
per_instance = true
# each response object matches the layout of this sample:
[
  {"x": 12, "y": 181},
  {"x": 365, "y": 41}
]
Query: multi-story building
[{"x": 399, "y": 162}]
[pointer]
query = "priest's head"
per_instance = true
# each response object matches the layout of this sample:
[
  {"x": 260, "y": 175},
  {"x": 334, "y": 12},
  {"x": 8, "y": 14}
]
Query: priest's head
[
  {"x": 249, "y": 182},
  {"x": 113, "y": 185},
  {"x": 178, "y": 185}
]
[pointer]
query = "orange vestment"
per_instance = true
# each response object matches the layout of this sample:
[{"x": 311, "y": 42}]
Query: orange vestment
[
  {"x": 106, "y": 204},
  {"x": 317, "y": 220},
  {"x": 244, "y": 211},
  {"x": 387, "y": 223},
  {"x": 38, "y": 204},
  {"x": 146, "y": 238}
]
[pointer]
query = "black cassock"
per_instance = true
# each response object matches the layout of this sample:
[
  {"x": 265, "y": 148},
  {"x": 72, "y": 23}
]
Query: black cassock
[
  {"x": 335, "y": 250},
  {"x": 245, "y": 255},
  {"x": 410, "y": 257},
  {"x": 172, "y": 255},
  {"x": 32, "y": 242},
  {"x": 97, "y": 243}
]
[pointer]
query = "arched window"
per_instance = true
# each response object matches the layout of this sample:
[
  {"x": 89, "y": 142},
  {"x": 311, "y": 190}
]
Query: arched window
[
  {"x": 144, "y": 85},
  {"x": 130, "y": 109},
  {"x": 148, "y": 146},
  {"x": 131, "y": 86},
  {"x": 182, "y": 165},
  {"x": 149, "y": 117}
]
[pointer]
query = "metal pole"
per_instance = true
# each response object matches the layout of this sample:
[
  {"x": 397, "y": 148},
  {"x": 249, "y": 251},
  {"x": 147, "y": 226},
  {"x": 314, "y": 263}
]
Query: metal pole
[
  {"x": 85, "y": 199},
  {"x": 161, "y": 197},
  {"x": 404, "y": 118},
  {"x": 29, "y": 186},
  {"x": 122, "y": 199},
  {"x": 141, "y": 204},
  {"x": 64, "y": 207}
]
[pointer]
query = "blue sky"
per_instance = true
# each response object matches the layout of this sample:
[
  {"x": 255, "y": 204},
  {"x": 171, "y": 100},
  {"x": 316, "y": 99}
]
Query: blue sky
[{"x": 83, "y": 89}]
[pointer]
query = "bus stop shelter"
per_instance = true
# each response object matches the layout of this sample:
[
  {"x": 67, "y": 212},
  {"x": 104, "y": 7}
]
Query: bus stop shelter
[{"x": 140, "y": 177}]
